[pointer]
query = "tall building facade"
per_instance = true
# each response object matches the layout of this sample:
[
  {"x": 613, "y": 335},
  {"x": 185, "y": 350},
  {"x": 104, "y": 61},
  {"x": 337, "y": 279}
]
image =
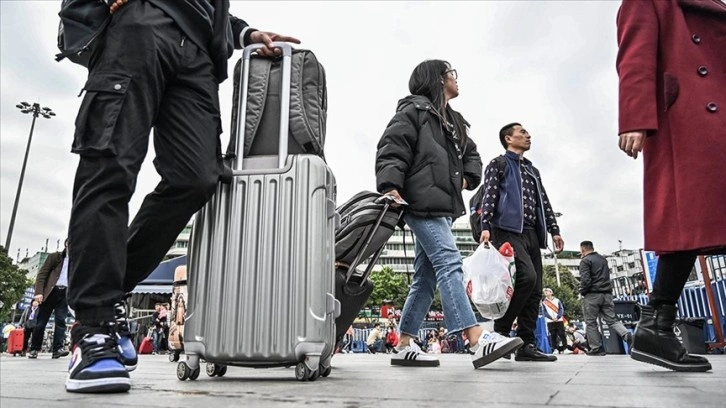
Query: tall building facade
[
  {"x": 180, "y": 246},
  {"x": 32, "y": 264}
]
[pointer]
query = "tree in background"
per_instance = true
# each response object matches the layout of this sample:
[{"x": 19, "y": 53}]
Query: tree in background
[
  {"x": 13, "y": 283},
  {"x": 567, "y": 293},
  {"x": 388, "y": 286},
  {"x": 393, "y": 287}
]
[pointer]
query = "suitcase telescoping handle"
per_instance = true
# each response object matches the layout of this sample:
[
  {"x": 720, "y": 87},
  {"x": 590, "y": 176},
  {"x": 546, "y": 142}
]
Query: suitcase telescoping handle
[
  {"x": 284, "y": 101},
  {"x": 387, "y": 200}
]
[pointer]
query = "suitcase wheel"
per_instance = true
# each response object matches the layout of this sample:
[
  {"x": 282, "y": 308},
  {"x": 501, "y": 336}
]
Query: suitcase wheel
[
  {"x": 174, "y": 356},
  {"x": 218, "y": 370},
  {"x": 195, "y": 374},
  {"x": 183, "y": 372},
  {"x": 325, "y": 371},
  {"x": 303, "y": 373}
]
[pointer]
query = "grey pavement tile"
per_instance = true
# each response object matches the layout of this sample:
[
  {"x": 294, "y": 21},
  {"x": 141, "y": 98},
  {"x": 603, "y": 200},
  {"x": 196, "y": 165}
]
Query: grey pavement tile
[{"x": 369, "y": 381}]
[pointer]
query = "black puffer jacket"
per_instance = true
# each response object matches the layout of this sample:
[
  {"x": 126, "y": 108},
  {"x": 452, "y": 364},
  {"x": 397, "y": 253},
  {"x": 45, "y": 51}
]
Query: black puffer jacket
[{"x": 418, "y": 156}]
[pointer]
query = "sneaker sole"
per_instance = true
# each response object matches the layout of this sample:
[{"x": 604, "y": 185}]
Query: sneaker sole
[
  {"x": 415, "y": 363},
  {"x": 99, "y": 385},
  {"x": 536, "y": 360},
  {"x": 498, "y": 353},
  {"x": 130, "y": 368},
  {"x": 661, "y": 362}
]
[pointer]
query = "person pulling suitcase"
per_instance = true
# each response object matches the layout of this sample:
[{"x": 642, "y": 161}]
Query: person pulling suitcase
[{"x": 411, "y": 165}]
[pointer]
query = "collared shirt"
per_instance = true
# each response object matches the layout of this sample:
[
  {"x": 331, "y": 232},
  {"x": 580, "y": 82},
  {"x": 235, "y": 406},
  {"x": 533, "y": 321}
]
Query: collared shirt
[{"x": 63, "y": 278}]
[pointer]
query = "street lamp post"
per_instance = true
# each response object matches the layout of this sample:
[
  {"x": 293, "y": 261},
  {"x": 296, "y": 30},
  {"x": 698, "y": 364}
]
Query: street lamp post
[
  {"x": 36, "y": 110},
  {"x": 554, "y": 254}
]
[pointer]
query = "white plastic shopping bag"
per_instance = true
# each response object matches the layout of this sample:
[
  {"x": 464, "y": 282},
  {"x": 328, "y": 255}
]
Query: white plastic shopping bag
[{"x": 489, "y": 279}]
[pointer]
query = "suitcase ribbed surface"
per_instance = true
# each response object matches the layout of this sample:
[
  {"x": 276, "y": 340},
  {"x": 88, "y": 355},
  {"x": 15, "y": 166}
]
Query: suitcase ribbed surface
[{"x": 261, "y": 272}]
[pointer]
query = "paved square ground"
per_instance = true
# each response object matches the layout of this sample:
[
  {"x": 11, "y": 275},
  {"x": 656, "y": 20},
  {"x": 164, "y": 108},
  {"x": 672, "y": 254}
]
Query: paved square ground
[{"x": 360, "y": 380}]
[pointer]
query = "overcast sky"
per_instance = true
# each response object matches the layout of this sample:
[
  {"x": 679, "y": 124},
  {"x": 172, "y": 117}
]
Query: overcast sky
[{"x": 549, "y": 65}]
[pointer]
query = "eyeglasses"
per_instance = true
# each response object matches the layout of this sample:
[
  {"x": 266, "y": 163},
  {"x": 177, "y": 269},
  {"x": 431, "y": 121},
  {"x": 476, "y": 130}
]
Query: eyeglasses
[{"x": 452, "y": 72}]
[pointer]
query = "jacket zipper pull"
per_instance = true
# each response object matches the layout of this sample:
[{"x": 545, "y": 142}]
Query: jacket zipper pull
[{"x": 183, "y": 39}]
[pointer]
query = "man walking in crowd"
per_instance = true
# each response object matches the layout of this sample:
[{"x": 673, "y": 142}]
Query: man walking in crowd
[
  {"x": 516, "y": 209},
  {"x": 29, "y": 320},
  {"x": 553, "y": 310},
  {"x": 50, "y": 291},
  {"x": 672, "y": 107},
  {"x": 597, "y": 301},
  {"x": 156, "y": 64}
]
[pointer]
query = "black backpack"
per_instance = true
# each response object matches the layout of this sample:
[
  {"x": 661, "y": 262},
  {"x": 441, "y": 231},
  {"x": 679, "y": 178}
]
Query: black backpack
[
  {"x": 358, "y": 217},
  {"x": 476, "y": 201}
]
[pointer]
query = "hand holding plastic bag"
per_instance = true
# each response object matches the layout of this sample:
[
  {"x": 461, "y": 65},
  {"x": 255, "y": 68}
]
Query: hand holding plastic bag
[{"x": 489, "y": 279}]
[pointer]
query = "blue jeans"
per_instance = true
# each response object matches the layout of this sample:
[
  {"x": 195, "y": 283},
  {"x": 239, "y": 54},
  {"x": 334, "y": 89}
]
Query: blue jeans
[
  {"x": 437, "y": 261},
  {"x": 156, "y": 339}
]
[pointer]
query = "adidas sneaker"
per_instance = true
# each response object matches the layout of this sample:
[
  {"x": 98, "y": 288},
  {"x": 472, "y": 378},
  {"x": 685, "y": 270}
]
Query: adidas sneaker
[
  {"x": 413, "y": 356},
  {"x": 493, "y": 346}
]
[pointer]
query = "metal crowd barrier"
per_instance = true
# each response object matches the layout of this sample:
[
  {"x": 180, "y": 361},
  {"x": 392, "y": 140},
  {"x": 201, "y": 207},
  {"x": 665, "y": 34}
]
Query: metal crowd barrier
[{"x": 693, "y": 303}]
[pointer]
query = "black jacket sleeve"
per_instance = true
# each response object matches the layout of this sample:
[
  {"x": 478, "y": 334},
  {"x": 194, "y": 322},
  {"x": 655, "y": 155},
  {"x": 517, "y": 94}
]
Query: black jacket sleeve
[
  {"x": 585, "y": 275},
  {"x": 472, "y": 165},
  {"x": 550, "y": 218},
  {"x": 238, "y": 27},
  {"x": 395, "y": 150}
]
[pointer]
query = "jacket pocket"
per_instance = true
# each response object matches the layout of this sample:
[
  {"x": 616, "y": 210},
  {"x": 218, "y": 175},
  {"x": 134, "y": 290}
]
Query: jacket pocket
[
  {"x": 417, "y": 168},
  {"x": 99, "y": 113},
  {"x": 670, "y": 89}
]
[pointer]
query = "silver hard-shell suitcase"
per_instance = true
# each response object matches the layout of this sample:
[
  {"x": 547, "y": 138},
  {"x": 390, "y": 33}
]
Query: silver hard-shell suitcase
[{"x": 261, "y": 261}]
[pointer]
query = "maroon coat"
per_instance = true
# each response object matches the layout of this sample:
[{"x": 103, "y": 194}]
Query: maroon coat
[{"x": 672, "y": 68}]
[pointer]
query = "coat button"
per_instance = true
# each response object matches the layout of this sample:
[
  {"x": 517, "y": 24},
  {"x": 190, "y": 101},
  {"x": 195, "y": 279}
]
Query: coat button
[
  {"x": 696, "y": 39},
  {"x": 117, "y": 87},
  {"x": 460, "y": 156},
  {"x": 712, "y": 107},
  {"x": 702, "y": 71},
  {"x": 457, "y": 173}
]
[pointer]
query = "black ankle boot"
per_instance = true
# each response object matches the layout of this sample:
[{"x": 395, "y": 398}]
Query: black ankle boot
[{"x": 655, "y": 343}]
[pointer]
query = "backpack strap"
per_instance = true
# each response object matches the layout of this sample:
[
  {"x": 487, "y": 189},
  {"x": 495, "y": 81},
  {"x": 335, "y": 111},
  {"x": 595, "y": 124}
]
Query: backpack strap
[{"x": 258, "y": 83}]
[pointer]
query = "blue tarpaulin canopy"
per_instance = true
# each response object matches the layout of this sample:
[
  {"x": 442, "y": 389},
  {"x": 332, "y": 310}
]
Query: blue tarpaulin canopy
[{"x": 162, "y": 278}]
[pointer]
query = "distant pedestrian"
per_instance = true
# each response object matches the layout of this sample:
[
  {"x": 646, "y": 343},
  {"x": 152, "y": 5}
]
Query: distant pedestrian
[
  {"x": 29, "y": 319},
  {"x": 597, "y": 295},
  {"x": 50, "y": 290},
  {"x": 554, "y": 310},
  {"x": 376, "y": 340}
]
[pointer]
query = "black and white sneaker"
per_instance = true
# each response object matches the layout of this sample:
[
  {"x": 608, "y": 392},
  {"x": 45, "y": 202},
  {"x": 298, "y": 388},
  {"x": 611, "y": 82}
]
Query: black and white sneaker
[
  {"x": 413, "y": 356},
  {"x": 493, "y": 346},
  {"x": 95, "y": 365}
]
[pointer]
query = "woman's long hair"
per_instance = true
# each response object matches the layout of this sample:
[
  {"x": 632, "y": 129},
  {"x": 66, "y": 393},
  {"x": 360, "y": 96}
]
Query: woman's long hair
[{"x": 426, "y": 80}]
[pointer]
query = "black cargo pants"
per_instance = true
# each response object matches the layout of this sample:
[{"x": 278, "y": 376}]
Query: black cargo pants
[
  {"x": 525, "y": 302},
  {"x": 143, "y": 74}
]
